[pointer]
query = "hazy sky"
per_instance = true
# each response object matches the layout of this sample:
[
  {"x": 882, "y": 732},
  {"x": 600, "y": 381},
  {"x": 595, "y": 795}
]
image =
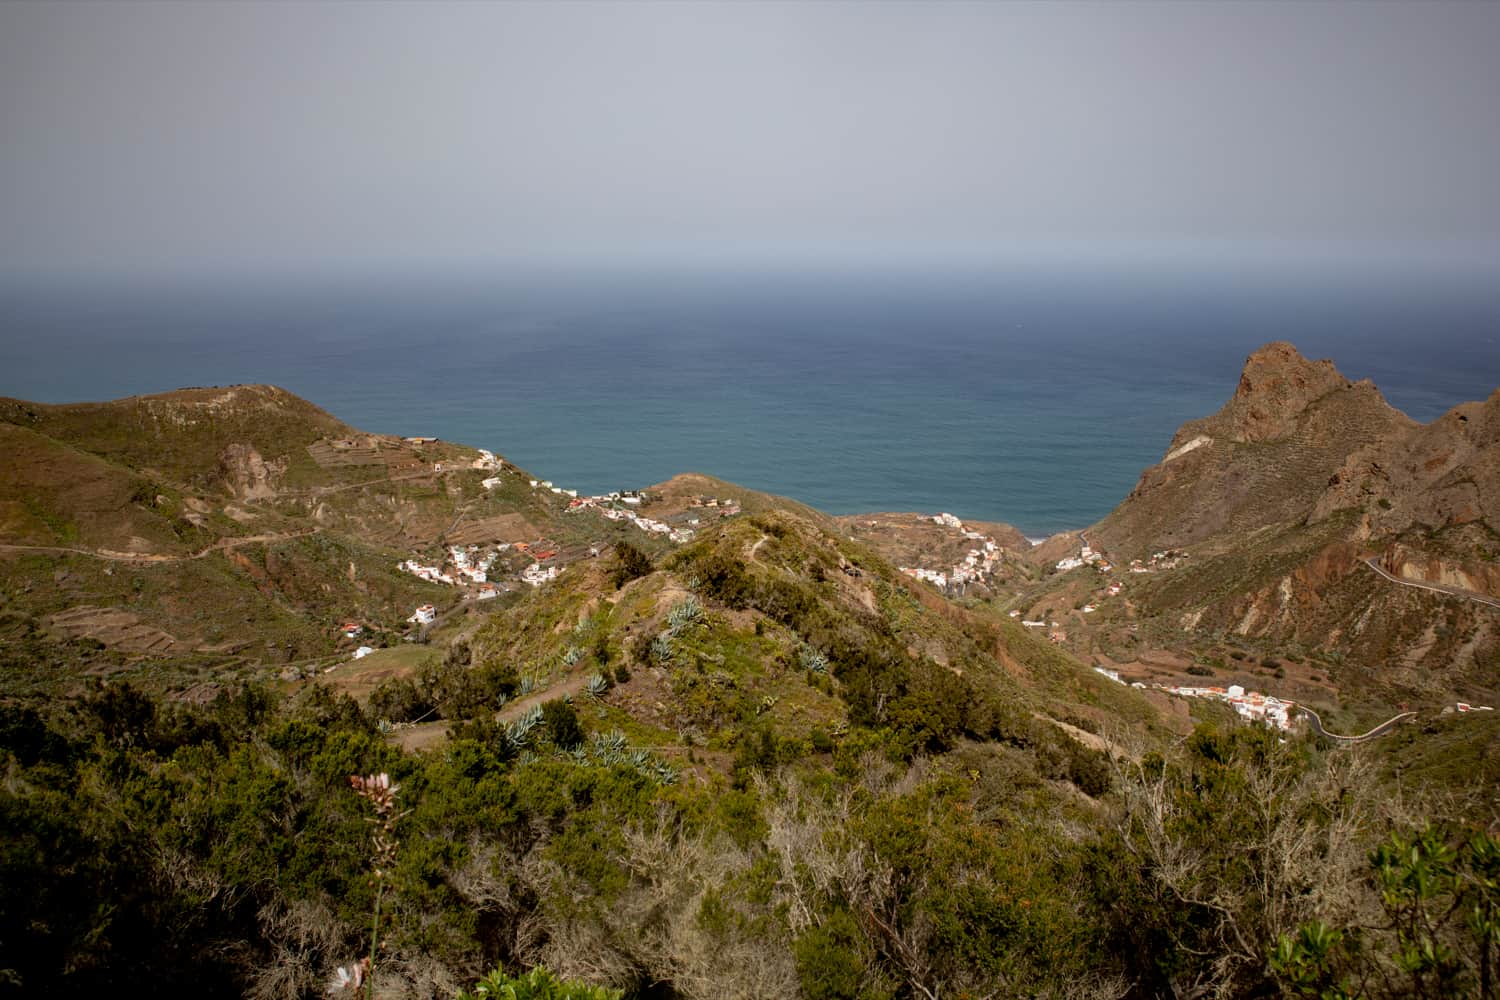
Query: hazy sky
[{"x": 182, "y": 137}]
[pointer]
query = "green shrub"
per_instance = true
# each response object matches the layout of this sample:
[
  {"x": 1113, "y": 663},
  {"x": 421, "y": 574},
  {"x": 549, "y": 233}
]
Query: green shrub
[
  {"x": 538, "y": 984},
  {"x": 562, "y": 724},
  {"x": 400, "y": 701},
  {"x": 829, "y": 965},
  {"x": 630, "y": 563}
]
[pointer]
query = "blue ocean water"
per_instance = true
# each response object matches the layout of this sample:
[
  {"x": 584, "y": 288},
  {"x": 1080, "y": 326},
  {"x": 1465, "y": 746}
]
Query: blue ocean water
[{"x": 1031, "y": 399}]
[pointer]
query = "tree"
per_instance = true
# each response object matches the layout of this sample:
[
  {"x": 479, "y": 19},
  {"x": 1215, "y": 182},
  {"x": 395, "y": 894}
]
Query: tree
[{"x": 630, "y": 563}]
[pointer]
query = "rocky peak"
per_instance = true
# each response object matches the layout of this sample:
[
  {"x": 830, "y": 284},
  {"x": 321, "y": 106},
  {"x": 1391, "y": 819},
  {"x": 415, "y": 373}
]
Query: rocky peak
[{"x": 1276, "y": 385}]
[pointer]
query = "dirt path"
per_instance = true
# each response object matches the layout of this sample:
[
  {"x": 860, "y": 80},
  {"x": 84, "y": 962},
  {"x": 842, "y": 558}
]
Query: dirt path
[
  {"x": 750, "y": 553},
  {"x": 318, "y": 491},
  {"x": 515, "y": 709},
  {"x": 154, "y": 557},
  {"x": 1437, "y": 588}
]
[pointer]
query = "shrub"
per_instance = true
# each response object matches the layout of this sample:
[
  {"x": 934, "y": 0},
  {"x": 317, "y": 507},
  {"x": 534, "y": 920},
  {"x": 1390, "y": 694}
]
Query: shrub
[
  {"x": 828, "y": 960},
  {"x": 630, "y": 563},
  {"x": 538, "y": 984},
  {"x": 400, "y": 701},
  {"x": 562, "y": 724}
]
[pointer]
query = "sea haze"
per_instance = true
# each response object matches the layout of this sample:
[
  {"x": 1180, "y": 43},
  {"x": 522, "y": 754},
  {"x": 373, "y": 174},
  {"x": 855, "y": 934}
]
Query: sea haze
[{"x": 1030, "y": 399}]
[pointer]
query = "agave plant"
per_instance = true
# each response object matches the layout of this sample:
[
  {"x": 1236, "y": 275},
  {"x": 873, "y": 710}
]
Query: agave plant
[
  {"x": 661, "y": 647},
  {"x": 527, "y": 686},
  {"x": 612, "y": 741},
  {"x": 813, "y": 660},
  {"x": 597, "y": 685},
  {"x": 519, "y": 732},
  {"x": 573, "y": 655},
  {"x": 685, "y": 614}
]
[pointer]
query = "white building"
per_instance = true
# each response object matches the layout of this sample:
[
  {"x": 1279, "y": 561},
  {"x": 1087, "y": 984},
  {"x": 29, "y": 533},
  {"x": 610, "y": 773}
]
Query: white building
[{"x": 424, "y": 615}]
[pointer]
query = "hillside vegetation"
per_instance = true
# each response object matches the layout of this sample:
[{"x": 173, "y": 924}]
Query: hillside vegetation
[{"x": 702, "y": 742}]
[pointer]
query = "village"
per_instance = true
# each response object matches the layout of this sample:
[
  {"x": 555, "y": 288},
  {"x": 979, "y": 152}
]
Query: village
[
  {"x": 1251, "y": 706},
  {"x": 978, "y": 565},
  {"x": 474, "y": 567}
]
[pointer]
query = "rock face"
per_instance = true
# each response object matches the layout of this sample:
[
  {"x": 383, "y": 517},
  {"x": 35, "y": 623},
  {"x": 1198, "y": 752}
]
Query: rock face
[
  {"x": 1276, "y": 386},
  {"x": 1443, "y": 474},
  {"x": 248, "y": 476}
]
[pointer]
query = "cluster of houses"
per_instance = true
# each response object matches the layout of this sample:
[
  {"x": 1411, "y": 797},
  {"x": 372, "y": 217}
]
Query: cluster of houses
[
  {"x": 536, "y": 574},
  {"x": 432, "y": 574},
  {"x": 1170, "y": 559},
  {"x": 655, "y": 527},
  {"x": 724, "y": 507},
  {"x": 470, "y": 565},
  {"x": 978, "y": 564},
  {"x": 1250, "y": 705},
  {"x": 1086, "y": 557}
]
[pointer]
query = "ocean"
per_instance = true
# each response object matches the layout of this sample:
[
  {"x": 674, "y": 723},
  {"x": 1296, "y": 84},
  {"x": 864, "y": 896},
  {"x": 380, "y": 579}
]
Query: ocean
[{"x": 1025, "y": 398}]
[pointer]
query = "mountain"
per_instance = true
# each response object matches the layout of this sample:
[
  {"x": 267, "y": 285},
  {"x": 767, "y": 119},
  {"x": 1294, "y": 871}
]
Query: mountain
[{"x": 1301, "y": 516}]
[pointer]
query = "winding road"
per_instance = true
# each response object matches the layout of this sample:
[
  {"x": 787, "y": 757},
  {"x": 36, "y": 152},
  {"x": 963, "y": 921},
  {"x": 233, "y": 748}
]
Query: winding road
[
  {"x": 1380, "y": 730},
  {"x": 1437, "y": 588}
]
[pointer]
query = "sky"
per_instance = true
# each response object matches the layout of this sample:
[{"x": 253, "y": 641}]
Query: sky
[{"x": 337, "y": 138}]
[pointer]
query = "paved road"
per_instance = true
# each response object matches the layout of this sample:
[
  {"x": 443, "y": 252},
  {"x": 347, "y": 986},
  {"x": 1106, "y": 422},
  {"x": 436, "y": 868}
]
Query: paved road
[
  {"x": 1380, "y": 730},
  {"x": 1437, "y": 588}
]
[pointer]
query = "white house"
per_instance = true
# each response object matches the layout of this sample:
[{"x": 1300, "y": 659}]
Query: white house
[{"x": 424, "y": 615}]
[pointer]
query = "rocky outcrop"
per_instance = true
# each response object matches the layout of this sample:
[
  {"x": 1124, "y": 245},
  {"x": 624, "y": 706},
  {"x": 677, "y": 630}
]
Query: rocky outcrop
[
  {"x": 1276, "y": 386},
  {"x": 246, "y": 475}
]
